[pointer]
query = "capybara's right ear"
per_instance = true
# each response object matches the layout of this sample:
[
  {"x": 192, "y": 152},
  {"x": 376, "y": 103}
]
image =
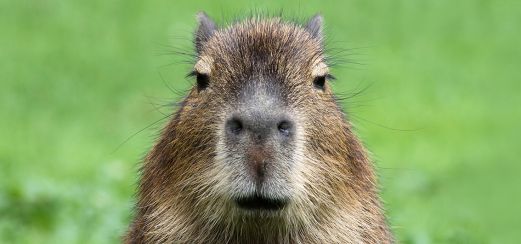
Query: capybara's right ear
[
  {"x": 315, "y": 26},
  {"x": 205, "y": 29}
]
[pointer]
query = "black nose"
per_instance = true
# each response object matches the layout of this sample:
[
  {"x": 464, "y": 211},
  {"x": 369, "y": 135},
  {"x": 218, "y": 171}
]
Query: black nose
[{"x": 260, "y": 125}]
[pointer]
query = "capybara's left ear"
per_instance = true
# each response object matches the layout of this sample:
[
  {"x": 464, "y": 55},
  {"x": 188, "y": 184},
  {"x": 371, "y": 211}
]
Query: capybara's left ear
[
  {"x": 315, "y": 26},
  {"x": 205, "y": 29}
]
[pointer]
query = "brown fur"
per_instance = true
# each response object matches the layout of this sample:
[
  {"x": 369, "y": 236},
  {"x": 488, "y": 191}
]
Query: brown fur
[{"x": 180, "y": 200}]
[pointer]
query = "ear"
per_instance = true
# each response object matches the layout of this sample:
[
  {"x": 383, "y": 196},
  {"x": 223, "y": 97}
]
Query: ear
[
  {"x": 315, "y": 26},
  {"x": 205, "y": 29}
]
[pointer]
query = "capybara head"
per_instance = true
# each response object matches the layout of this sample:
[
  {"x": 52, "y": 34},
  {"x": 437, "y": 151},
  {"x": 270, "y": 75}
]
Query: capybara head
[
  {"x": 259, "y": 150},
  {"x": 263, "y": 94}
]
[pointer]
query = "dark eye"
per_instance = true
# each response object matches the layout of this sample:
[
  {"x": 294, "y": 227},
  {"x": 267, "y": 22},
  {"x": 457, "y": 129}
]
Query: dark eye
[
  {"x": 319, "y": 82},
  {"x": 202, "y": 80}
]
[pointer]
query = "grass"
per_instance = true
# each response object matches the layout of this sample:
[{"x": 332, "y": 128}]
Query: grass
[{"x": 441, "y": 114}]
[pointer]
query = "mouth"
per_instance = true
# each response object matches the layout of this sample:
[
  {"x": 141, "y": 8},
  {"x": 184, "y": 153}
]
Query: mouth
[{"x": 257, "y": 202}]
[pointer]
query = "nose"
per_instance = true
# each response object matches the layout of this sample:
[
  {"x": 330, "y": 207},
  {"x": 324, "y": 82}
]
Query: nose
[
  {"x": 259, "y": 135},
  {"x": 260, "y": 129},
  {"x": 259, "y": 126}
]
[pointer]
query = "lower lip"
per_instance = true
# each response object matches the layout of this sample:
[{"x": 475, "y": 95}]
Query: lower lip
[{"x": 261, "y": 203}]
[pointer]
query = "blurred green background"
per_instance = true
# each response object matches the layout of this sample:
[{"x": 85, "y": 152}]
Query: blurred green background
[{"x": 441, "y": 113}]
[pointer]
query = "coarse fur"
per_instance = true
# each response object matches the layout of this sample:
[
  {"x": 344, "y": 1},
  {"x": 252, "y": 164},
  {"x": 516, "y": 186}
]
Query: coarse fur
[{"x": 188, "y": 182}]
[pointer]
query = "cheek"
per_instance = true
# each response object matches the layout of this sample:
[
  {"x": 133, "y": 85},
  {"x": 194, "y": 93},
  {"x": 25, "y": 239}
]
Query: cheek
[
  {"x": 220, "y": 168},
  {"x": 299, "y": 167},
  {"x": 311, "y": 169}
]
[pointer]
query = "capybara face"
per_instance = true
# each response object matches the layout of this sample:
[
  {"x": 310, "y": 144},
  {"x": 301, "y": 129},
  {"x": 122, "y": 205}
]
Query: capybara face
[{"x": 264, "y": 85}]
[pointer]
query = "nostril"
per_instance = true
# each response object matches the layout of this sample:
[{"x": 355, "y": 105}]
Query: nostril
[
  {"x": 234, "y": 126},
  {"x": 284, "y": 127}
]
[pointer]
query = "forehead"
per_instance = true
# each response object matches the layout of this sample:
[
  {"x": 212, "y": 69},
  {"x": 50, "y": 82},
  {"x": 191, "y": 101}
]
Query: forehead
[{"x": 262, "y": 47}]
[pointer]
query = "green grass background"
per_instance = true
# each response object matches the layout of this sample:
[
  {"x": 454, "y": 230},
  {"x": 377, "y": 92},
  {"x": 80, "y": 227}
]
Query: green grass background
[{"x": 441, "y": 115}]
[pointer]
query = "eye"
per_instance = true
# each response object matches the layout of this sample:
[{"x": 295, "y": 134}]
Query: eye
[
  {"x": 202, "y": 80},
  {"x": 320, "y": 81}
]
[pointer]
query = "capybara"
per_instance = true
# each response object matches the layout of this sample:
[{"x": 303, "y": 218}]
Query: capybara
[{"x": 259, "y": 150}]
